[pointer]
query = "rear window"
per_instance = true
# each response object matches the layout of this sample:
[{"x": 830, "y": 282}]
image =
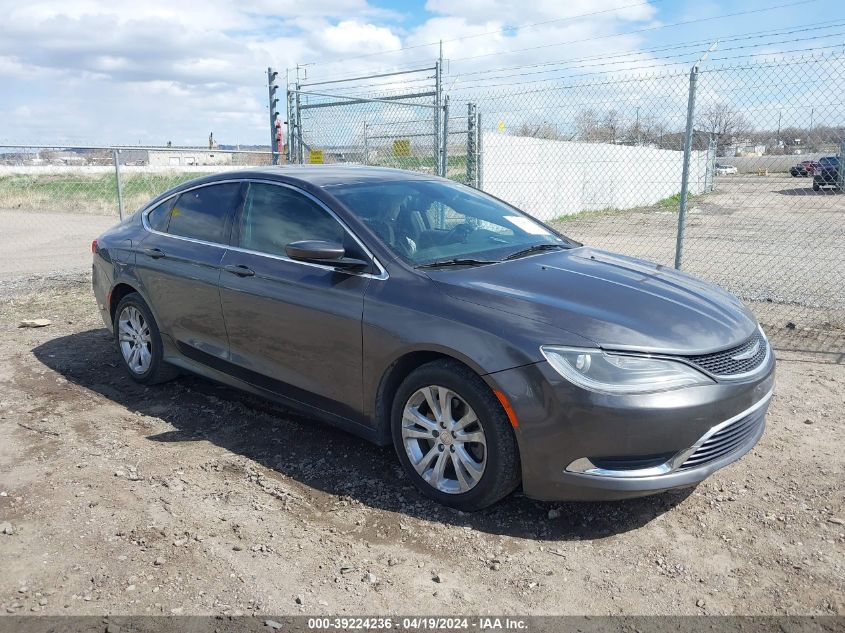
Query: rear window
[
  {"x": 829, "y": 161},
  {"x": 201, "y": 213}
]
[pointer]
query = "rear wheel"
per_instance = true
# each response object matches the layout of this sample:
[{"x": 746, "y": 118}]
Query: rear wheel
[
  {"x": 453, "y": 438},
  {"x": 816, "y": 187},
  {"x": 139, "y": 342}
]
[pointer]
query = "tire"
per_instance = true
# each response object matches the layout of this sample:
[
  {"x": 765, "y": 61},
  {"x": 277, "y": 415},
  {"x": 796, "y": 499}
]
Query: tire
[
  {"x": 467, "y": 394},
  {"x": 816, "y": 187},
  {"x": 132, "y": 313}
]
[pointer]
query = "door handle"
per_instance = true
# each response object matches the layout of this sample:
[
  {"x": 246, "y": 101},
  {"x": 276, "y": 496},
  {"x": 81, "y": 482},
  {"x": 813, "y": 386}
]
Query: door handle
[
  {"x": 240, "y": 270},
  {"x": 155, "y": 253}
]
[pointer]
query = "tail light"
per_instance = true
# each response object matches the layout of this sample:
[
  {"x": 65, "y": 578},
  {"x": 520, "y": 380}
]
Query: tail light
[{"x": 94, "y": 246}]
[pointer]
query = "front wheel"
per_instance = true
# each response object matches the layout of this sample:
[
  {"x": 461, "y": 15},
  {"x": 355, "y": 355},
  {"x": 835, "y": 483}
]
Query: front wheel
[
  {"x": 816, "y": 187},
  {"x": 453, "y": 438}
]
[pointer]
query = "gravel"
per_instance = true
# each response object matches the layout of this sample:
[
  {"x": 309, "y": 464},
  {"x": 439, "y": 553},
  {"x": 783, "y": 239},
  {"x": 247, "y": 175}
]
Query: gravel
[{"x": 220, "y": 472}]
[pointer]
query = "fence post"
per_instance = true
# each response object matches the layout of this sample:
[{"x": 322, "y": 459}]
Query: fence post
[
  {"x": 437, "y": 84},
  {"x": 479, "y": 160},
  {"x": 291, "y": 129},
  {"x": 842, "y": 164},
  {"x": 444, "y": 140},
  {"x": 366, "y": 146},
  {"x": 298, "y": 124},
  {"x": 118, "y": 181},
  {"x": 682, "y": 210},
  {"x": 471, "y": 150}
]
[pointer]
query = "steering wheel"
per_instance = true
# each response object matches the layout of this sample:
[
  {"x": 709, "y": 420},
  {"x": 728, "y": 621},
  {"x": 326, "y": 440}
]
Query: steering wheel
[{"x": 459, "y": 233}]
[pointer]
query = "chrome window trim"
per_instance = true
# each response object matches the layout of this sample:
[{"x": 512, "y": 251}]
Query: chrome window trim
[
  {"x": 583, "y": 465},
  {"x": 382, "y": 274}
]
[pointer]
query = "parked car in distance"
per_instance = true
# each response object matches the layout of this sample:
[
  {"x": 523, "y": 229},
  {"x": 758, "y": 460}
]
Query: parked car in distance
[
  {"x": 724, "y": 169},
  {"x": 488, "y": 348},
  {"x": 804, "y": 168},
  {"x": 827, "y": 174}
]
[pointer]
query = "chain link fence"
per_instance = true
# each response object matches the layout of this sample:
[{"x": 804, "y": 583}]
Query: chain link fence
[
  {"x": 728, "y": 172},
  {"x": 55, "y": 200},
  {"x": 732, "y": 173}
]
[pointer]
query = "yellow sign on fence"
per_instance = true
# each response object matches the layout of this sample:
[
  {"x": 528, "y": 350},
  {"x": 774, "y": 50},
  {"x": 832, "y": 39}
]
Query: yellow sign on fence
[
  {"x": 402, "y": 147},
  {"x": 315, "y": 157}
]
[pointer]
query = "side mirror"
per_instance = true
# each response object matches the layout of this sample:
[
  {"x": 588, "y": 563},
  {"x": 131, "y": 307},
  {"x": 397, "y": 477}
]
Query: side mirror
[{"x": 322, "y": 252}]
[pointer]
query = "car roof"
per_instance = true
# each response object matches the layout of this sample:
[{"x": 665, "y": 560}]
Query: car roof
[{"x": 326, "y": 175}]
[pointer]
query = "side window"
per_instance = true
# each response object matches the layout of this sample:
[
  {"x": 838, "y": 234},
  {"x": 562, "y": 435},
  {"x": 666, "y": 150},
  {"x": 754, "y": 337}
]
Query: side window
[
  {"x": 159, "y": 217},
  {"x": 274, "y": 216},
  {"x": 201, "y": 213}
]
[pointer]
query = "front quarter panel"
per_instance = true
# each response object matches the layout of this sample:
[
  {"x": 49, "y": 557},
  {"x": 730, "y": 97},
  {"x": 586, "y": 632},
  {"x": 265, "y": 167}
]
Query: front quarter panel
[{"x": 408, "y": 313}]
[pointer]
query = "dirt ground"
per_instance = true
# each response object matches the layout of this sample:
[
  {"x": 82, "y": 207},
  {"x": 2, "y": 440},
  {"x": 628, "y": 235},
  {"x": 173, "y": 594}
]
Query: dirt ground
[{"x": 192, "y": 498}]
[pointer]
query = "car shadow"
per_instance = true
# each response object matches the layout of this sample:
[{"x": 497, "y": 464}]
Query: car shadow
[
  {"x": 325, "y": 459},
  {"x": 808, "y": 191}
]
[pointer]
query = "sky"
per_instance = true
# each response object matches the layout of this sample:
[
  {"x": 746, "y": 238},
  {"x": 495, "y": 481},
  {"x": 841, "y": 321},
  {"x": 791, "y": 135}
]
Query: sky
[{"x": 127, "y": 72}]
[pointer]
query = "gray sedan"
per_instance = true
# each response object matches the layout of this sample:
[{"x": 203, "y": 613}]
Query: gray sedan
[{"x": 490, "y": 350}]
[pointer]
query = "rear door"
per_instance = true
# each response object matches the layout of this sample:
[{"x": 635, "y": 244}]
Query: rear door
[
  {"x": 179, "y": 265},
  {"x": 294, "y": 327}
]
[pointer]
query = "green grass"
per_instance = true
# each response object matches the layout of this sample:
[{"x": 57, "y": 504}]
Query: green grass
[
  {"x": 84, "y": 194},
  {"x": 670, "y": 203},
  {"x": 594, "y": 213}
]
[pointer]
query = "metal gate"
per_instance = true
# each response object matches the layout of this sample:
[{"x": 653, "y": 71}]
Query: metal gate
[{"x": 396, "y": 119}]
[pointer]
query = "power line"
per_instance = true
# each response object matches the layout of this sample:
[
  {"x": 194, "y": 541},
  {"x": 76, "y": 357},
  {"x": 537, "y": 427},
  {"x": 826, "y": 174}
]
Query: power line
[
  {"x": 583, "y": 40},
  {"x": 678, "y": 56},
  {"x": 502, "y": 30},
  {"x": 480, "y": 81},
  {"x": 680, "y": 73},
  {"x": 642, "y": 30},
  {"x": 742, "y": 37}
]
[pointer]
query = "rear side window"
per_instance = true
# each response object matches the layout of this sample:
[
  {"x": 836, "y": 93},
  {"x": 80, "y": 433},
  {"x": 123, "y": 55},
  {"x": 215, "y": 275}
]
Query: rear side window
[
  {"x": 201, "y": 213},
  {"x": 159, "y": 217},
  {"x": 274, "y": 216}
]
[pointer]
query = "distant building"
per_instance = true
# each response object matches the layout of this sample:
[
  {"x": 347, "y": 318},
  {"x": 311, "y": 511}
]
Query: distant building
[
  {"x": 183, "y": 158},
  {"x": 745, "y": 149}
]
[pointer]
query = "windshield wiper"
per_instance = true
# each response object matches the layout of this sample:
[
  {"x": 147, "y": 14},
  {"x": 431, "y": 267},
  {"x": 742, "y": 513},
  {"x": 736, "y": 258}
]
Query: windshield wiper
[
  {"x": 535, "y": 249},
  {"x": 458, "y": 262}
]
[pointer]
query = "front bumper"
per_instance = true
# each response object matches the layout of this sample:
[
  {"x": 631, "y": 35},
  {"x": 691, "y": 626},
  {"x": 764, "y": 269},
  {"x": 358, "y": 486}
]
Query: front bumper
[{"x": 580, "y": 445}]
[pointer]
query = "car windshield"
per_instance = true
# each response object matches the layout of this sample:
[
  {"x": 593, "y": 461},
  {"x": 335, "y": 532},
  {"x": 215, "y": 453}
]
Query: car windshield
[
  {"x": 430, "y": 222},
  {"x": 829, "y": 161}
]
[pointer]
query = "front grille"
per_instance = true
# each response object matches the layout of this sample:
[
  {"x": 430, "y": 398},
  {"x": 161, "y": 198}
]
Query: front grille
[
  {"x": 723, "y": 364},
  {"x": 724, "y": 441}
]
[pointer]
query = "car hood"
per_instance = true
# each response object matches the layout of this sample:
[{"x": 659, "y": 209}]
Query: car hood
[{"x": 616, "y": 301}]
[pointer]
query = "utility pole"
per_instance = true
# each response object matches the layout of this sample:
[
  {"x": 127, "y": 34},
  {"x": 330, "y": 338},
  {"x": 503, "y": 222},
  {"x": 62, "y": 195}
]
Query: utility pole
[
  {"x": 272, "y": 87},
  {"x": 810, "y": 133},
  {"x": 638, "y": 125}
]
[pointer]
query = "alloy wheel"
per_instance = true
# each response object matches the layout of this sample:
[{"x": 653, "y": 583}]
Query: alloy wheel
[
  {"x": 135, "y": 339},
  {"x": 444, "y": 439}
]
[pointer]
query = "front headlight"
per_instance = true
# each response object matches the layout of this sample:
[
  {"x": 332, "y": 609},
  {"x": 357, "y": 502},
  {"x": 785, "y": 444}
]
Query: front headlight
[{"x": 620, "y": 374}]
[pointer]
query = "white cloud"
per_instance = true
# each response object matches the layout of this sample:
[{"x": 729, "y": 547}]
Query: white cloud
[{"x": 160, "y": 70}]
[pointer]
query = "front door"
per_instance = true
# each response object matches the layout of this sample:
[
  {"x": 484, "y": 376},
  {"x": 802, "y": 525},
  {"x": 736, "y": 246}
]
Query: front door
[{"x": 294, "y": 327}]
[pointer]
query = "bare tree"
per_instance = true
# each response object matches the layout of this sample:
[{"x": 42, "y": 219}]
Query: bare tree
[
  {"x": 722, "y": 121},
  {"x": 543, "y": 130},
  {"x": 593, "y": 127},
  {"x": 610, "y": 126},
  {"x": 587, "y": 125}
]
